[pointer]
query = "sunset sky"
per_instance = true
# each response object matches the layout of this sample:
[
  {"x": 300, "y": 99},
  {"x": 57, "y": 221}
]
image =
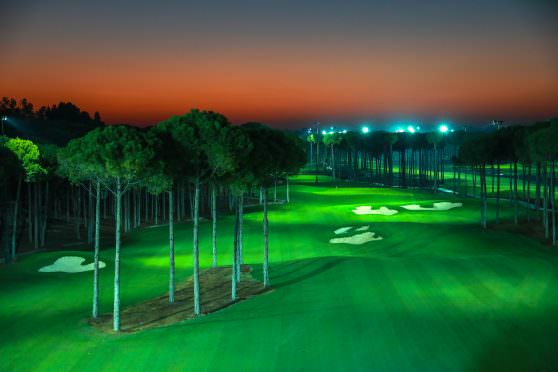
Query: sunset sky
[{"x": 286, "y": 63}]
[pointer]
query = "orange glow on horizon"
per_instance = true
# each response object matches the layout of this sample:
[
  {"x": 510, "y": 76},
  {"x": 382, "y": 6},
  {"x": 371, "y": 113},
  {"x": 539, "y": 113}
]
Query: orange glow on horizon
[{"x": 296, "y": 85}]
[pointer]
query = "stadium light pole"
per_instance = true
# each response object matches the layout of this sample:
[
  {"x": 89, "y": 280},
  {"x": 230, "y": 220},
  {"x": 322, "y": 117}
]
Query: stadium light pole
[{"x": 4, "y": 118}]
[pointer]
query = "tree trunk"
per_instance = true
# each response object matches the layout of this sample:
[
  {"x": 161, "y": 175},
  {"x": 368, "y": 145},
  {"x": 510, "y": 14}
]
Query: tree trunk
[
  {"x": 482, "y": 177},
  {"x": 523, "y": 179},
  {"x": 538, "y": 188},
  {"x": 116, "y": 308},
  {"x": 552, "y": 182},
  {"x": 474, "y": 181},
  {"x": 235, "y": 255},
  {"x": 492, "y": 174},
  {"x": 171, "y": 246},
  {"x": 266, "y": 248},
  {"x": 77, "y": 214},
  {"x": 288, "y": 190},
  {"x": 68, "y": 189},
  {"x": 317, "y": 158},
  {"x": 14, "y": 224},
  {"x": 515, "y": 199},
  {"x": 311, "y": 152},
  {"x": 96, "y": 252},
  {"x": 45, "y": 215},
  {"x": 138, "y": 206},
  {"x": 214, "y": 223},
  {"x": 156, "y": 209},
  {"x": 454, "y": 180},
  {"x": 485, "y": 200},
  {"x": 545, "y": 200},
  {"x": 435, "y": 168},
  {"x": 197, "y": 306},
  {"x": 240, "y": 232},
  {"x": 37, "y": 215},
  {"x": 29, "y": 214},
  {"x": 332, "y": 164},
  {"x": 528, "y": 195},
  {"x": 89, "y": 214},
  {"x": 498, "y": 193}
]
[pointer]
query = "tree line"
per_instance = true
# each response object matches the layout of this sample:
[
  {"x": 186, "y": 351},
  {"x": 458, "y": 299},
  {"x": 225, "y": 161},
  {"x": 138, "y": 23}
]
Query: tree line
[
  {"x": 170, "y": 171},
  {"x": 463, "y": 162},
  {"x": 394, "y": 159},
  {"x": 64, "y": 111}
]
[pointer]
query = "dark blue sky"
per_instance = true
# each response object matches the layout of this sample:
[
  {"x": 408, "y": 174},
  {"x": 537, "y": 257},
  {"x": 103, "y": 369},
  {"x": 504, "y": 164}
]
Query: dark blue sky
[{"x": 287, "y": 63}]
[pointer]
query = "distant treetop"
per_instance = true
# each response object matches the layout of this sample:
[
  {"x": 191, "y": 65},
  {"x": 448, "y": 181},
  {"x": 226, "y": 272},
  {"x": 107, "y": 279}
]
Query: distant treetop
[{"x": 63, "y": 111}]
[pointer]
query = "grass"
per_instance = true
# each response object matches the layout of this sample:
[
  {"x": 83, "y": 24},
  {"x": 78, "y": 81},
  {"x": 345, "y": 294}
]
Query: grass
[{"x": 437, "y": 293}]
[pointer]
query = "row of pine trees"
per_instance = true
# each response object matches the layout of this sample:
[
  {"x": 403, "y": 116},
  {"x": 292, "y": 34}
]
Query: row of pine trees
[
  {"x": 464, "y": 162},
  {"x": 175, "y": 170}
]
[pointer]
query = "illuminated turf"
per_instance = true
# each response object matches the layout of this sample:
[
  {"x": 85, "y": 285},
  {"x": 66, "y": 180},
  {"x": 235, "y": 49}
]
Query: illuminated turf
[{"x": 437, "y": 293}]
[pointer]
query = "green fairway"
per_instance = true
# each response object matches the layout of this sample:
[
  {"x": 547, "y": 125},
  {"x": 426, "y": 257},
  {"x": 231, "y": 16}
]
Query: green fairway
[{"x": 437, "y": 293}]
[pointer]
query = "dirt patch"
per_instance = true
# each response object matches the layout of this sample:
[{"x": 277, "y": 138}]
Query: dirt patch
[
  {"x": 215, "y": 294},
  {"x": 532, "y": 229}
]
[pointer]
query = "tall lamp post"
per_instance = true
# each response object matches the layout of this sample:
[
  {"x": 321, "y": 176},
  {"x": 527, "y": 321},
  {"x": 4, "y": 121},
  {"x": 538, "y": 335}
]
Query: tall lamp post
[
  {"x": 317, "y": 126},
  {"x": 3, "y": 119}
]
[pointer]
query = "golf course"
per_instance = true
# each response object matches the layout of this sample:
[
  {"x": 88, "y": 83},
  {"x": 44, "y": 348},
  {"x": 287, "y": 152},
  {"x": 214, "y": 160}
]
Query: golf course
[{"x": 428, "y": 290}]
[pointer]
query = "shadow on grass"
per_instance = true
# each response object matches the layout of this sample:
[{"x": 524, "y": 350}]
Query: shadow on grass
[
  {"x": 526, "y": 345},
  {"x": 305, "y": 269}
]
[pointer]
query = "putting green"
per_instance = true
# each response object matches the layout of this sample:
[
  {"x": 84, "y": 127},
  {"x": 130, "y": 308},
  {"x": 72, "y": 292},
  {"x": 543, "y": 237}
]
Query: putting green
[{"x": 437, "y": 293}]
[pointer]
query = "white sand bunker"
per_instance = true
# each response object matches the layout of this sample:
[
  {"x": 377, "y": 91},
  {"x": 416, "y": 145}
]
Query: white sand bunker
[
  {"x": 368, "y": 210},
  {"x": 363, "y": 228},
  {"x": 70, "y": 264},
  {"x": 441, "y": 206},
  {"x": 342, "y": 230},
  {"x": 357, "y": 239}
]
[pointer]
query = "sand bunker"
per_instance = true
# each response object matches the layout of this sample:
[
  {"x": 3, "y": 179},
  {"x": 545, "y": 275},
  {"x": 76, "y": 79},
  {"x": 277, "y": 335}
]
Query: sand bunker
[
  {"x": 442, "y": 206},
  {"x": 342, "y": 230},
  {"x": 363, "y": 228},
  {"x": 69, "y": 264},
  {"x": 445, "y": 190},
  {"x": 357, "y": 239},
  {"x": 368, "y": 210}
]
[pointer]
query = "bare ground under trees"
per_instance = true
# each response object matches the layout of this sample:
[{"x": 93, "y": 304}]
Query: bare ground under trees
[{"x": 215, "y": 287}]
